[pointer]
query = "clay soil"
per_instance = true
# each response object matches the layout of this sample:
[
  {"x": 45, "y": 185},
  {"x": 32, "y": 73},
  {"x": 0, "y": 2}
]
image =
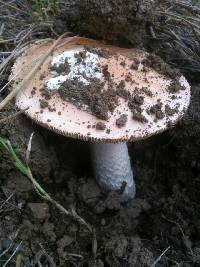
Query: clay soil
[{"x": 163, "y": 218}]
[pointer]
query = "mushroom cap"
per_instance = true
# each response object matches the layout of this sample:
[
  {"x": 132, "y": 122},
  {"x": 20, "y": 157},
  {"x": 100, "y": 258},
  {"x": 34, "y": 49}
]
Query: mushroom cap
[{"x": 159, "y": 106}]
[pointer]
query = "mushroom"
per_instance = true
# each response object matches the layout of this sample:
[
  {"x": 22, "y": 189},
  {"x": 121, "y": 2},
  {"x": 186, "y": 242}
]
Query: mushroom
[{"x": 105, "y": 95}]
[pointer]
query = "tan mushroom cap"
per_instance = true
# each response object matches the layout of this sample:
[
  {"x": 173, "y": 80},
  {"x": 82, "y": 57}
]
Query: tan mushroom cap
[{"x": 68, "y": 120}]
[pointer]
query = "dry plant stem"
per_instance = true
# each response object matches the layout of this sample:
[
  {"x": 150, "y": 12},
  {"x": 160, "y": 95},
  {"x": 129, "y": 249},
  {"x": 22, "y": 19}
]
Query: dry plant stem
[
  {"x": 18, "y": 260},
  {"x": 185, "y": 239},
  {"x": 11, "y": 6},
  {"x": 18, "y": 50},
  {"x": 47, "y": 255},
  {"x": 181, "y": 19},
  {"x": 47, "y": 197},
  {"x": 43, "y": 194},
  {"x": 10, "y": 246},
  {"x": 159, "y": 257},
  {"x": 31, "y": 73},
  {"x": 9, "y": 82},
  {"x": 7, "y": 200},
  {"x": 12, "y": 255}
]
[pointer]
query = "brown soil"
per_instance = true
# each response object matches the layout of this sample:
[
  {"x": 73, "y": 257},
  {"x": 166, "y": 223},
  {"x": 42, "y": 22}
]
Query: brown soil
[
  {"x": 89, "y": 97},
  {"x": 108, "y": 20},
  {"x": 160, "y": 66},
  {"x": 100, "y": 102},
  {"x": 122, "y": 120},
  {"x": 64, "y": 67},
  {"x": 166, "y": 210},
  {"x": 156, "y": 110}
]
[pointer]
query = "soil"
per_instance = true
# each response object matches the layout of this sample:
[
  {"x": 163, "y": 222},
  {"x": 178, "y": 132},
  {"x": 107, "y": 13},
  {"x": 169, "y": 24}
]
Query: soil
[
  {"x": 156, "y": 110},
  {"x": 122, "y": 120},
  {"x": 166, "y": 211},
  {"x": 108, "y": 20},
  {"x": 160, "y": 66},
  {"x": 93, "y": 97},
  {"x": 64, "y": 67},
  {"x": 89, "y": 97}
]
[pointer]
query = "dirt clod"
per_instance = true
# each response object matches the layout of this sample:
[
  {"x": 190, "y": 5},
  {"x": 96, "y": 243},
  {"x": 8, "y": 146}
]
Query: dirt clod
[
  {"x": 100, "y": 126},
  {"x": 61, "y": 68},
  {"x": 43, "y": 103},
  {"x": 138, "y": 99},
  {"x": 39, "y": 211},
  {"x": 160, "y": 66},
  {"x": 122, "y": 120},
  {"x": 157, "y": 110},
  {"x": 139, "y": 117},
  {"x": 175, "y": 87}
]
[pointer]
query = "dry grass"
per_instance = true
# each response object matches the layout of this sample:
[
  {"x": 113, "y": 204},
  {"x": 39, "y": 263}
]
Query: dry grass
[
  {"x": 23, "y": 22},
  {"x": 175, "y": 34}
]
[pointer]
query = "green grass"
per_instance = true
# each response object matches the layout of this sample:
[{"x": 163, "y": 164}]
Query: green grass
[
  {"x": 25, "y": 170},
  {"x": 6, "y": 145},
  {"x": 195, "y": 2},
  {"x": 41, "y": 9}
]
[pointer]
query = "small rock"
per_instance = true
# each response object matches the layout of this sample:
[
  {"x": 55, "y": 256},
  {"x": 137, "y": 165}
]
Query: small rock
[
  {"x": 97, "y": 263},
  {"x": 48, "y": 230},
  {"x": 40, "y": 211},
  {"x": 113, "y": 201},
  {"x": 19, "y": 183},
  {"x": 62, "y": 243},
  {"x": 117, "y": 245},
  {"x": 90, "y": 192}
]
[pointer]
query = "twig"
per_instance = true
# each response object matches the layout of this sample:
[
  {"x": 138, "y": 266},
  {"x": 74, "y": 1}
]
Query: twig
[
  {"x": 74, "y": 255},
  {"x": 12, "y": 255},
  {"x": 4, "y": 87},
  {"x": 181, "y": 19},
  {"x": 185, "y": 239},
  {"x": 18, "y": 260},
  {"x": 47, "y": 255},
  {"x": 14, "y": 7},
  {"x": 13, "y": 116},
  {"x": 159, "y": 257},
  {"x": 31, "y": 73},
  {"x": 28, "y": 150},
  {"x": 6, "y": 250},
  {"x": 7, "y": 200},
  {"x": 47, "y": 197},
  {"x": 43, "y": 194}
]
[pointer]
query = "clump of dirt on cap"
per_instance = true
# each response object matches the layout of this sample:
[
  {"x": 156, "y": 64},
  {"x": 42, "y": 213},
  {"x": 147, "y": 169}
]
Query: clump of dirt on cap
[
  {"x": 89, "y": 96},
  {"x": 100, "y": 126},
  {"x": 43, "y": 103},
  {"x": 61, "y": 68},
  {"x": 45, "y": 93},
  {"x": 134, "y": 104},
  {"x": 175, "y": 87},
  {"x": 160, "y": 66},
  {"x": 101, "y": 52},
  {"x": 157, "y": 110},
  {"x": 138, "y": 116},
  {"x": 122, "y": 120},
  {"x": 147, "y": 91},
  {"x": 93, "y": 97},
  {"x": 170, "y": 111},
  {"x": 80, "y": 56}
]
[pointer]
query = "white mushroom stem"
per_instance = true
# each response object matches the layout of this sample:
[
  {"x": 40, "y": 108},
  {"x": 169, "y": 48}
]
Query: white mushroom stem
[{"x": 113, "y": 169}]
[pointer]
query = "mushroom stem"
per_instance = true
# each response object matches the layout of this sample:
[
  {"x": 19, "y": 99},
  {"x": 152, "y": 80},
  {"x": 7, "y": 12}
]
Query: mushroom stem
[{"x": 113, "y": 169}]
